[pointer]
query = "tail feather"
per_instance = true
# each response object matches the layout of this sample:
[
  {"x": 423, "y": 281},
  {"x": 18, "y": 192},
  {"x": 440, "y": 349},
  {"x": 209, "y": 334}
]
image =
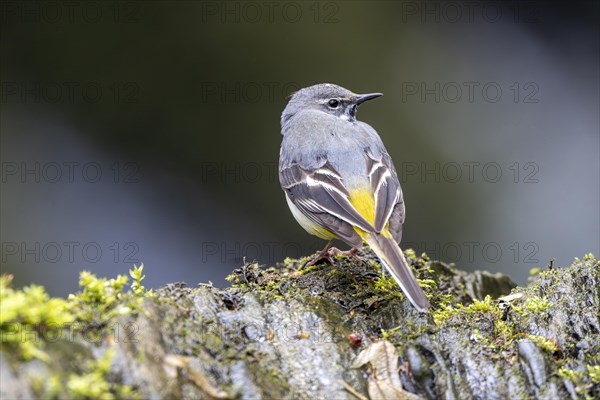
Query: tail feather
[{"x": 392, "y": 258}]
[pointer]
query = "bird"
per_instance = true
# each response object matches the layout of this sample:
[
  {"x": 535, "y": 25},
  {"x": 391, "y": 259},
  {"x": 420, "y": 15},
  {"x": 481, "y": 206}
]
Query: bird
[{"x": 340, "y": 182}]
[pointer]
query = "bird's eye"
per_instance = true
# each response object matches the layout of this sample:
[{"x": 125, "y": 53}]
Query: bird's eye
[{"x": 333, "y": 103}]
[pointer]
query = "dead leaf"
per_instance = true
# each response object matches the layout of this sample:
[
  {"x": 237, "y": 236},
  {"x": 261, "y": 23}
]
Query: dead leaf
[{"x": 384, "y": 380}]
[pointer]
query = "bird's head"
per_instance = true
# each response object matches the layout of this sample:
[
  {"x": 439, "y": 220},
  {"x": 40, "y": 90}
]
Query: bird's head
[{"x": 327, "y": 98}]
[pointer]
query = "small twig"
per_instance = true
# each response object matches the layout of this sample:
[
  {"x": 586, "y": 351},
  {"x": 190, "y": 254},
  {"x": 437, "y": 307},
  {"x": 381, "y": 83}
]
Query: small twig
[
  {"x": 244, "y": 269},
  {"x": 351, "y": 390}
]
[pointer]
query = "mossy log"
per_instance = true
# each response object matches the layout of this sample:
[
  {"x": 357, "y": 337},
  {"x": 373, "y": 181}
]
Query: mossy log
[{"x": 291, "y": 333}]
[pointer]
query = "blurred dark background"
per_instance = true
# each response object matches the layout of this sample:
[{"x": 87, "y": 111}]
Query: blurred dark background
[{"x": 148, "y": 131}]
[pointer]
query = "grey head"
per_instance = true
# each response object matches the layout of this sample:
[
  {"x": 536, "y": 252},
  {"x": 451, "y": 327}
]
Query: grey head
[{"x": 327, "y": 98}]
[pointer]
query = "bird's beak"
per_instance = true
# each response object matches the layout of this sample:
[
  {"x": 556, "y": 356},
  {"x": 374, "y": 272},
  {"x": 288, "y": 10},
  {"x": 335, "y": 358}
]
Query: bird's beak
[{"x": 364, "y": 97}]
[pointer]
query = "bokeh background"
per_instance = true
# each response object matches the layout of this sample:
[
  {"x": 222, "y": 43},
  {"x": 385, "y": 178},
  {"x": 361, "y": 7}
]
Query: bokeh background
[{"x": 148, "y": 131}]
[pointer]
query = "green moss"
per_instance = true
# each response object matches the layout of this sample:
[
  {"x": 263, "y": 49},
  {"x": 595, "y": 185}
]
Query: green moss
[
  {"x": 354, "y": 296},
  {"x": 306, "y": 270},
  {"x": 544, "y": 343},
  {"x": 410, "y": 254},
  {"x": 270, "y": 289},
  {"x": 386, "y": 285},
  {"x": 47, "y": 387},
  {"x": 535, "y": 271},
  {"x": 487, "y": 305},
  {"x": 536, "y": 305},
  {"x": 91, "y": 383},
  {"x": 389, "y": 334},
  {"x": 136, "y": 286},
  {"x": 28, "y": 315},
  {"x": 102, "y": 299},
  {"x": 427, "y": 284},
  {"x": 292, "y": 263},
  {"x": 594, "y": 373},
  {"x": 264, "y": 282},
  {"x": 583, "y": 381},
  {"x": 587, "y": 257},
  {"x": 359, "y": 277},
  {"x": 333, "y": 272},
  {"x": 570, "y": 374}
]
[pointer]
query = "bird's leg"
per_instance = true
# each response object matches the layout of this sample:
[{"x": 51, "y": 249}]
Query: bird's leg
[
  {"x": 328, "y": 252},
  {"x": 323, "y": 254},
  {"x": 348, "y": 253}
]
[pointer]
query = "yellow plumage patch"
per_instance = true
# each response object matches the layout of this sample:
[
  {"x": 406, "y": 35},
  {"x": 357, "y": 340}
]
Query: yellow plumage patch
[{"x": 364, "y": 202}]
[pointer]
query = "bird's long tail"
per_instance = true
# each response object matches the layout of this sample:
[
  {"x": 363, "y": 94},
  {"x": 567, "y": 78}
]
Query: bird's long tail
[{"x": 392, "y": 258}]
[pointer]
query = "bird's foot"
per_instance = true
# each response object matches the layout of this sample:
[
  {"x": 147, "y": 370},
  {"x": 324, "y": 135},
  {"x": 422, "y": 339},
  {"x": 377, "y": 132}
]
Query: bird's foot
[
  {"x": 348, "y": 253},
  {"x": 329, "y": 252}
]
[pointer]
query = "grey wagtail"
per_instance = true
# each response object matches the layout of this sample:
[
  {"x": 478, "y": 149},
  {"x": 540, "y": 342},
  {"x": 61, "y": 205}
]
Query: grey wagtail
[{"x": 339, "y": 180}]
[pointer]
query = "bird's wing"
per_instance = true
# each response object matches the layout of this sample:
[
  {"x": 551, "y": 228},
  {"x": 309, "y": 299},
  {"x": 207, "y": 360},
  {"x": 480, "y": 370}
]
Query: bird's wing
[
  {"x": 389, "y": 204},
  {"x": 321, "y": 195}
]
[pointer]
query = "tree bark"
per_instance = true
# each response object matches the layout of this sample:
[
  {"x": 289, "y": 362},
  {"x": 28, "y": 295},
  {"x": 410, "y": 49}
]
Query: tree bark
[{"x": 294, "y": 333}]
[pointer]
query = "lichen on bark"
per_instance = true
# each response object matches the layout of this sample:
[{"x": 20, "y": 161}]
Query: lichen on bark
[{"x": 294, "y": 333}]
